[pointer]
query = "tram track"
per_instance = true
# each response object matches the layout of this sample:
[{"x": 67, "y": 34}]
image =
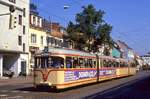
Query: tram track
[{"x": 91, "y": 91}]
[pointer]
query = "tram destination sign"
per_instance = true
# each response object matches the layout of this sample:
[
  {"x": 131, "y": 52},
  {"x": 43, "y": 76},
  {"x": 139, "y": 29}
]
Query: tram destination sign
[{"x": 72, "y": 75}]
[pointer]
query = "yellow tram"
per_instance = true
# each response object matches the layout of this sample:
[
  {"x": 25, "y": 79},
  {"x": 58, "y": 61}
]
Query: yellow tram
[{"x": 64, "y": 68}]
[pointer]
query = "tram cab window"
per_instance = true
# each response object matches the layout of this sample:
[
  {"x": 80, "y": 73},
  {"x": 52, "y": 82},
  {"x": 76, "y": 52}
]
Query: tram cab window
[
  {"x": 69, "y": 62},
  {"x": 41, "y": 62}
]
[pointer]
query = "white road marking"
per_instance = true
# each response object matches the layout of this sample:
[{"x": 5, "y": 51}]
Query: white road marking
[
  {"x": 15, "y": 97},
  {"x": 14, "y": 91},
  {"x": 25, "y": 91},
  {"x": 3, "y": 95}
]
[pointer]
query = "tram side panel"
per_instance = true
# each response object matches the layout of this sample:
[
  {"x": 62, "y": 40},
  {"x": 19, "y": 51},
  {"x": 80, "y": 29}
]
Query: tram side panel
[
  {"x": 122, "y": 71},
  {"x": 132, "y": 70}
]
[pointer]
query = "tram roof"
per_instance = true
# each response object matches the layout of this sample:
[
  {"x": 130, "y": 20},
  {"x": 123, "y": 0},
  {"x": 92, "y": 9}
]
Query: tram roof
[
  {"x": 72, "y": 52},
  {"x": 69, "y": 52}
]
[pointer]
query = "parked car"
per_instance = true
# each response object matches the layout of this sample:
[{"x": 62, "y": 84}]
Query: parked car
[{"x": 8, "y": 73}]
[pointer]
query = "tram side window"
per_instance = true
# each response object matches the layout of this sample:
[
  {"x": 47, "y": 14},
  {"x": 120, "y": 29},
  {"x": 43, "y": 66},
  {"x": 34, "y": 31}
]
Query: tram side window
[
  {"x": 93, "y": 63},
  {"x": 118, "y": 64},
  {"x": 86, "y": 63},
  {"x": 75, "y": 63},
  {"x": 56, "y": 62},
  {"x": 90, "y": 63},
  {"x": 115, "y": 64},
  {"x": 109, "y": 64},
  {"x": 121, "y": 64},
  {"x": 81, "y": 63},
  {"x": 68, "y": 62},
  {"x": 104, "y": 63}
]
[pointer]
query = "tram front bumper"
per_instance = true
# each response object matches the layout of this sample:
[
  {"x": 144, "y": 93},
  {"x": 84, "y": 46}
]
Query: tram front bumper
[{"x": 45, "y": 83}]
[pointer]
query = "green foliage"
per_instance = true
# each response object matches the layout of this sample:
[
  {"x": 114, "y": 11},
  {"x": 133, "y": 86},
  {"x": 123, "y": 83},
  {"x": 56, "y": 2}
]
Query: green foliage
[
  {"x": 33, "y": 8},
  {"x": 93, "y": 28},
  {"x": 104, "y": 34}
]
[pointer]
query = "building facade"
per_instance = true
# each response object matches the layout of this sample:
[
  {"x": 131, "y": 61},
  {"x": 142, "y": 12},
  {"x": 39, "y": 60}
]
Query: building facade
[
  {"x": 55, "y": 34},
  {"x": 14, "y": 25},
  {"x": 37, "y": 38},
  {"x": 146, "y": 59}
]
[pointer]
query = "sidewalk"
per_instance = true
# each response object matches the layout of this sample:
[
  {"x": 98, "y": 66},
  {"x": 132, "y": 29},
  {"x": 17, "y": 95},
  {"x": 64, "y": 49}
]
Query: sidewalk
[{"x": 16, "y": 80}]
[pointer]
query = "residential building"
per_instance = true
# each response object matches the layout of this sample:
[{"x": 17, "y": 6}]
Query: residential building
[
  {"x": 54, "y": 34},
  {"x": 126, "y": 51},
  {"x": 43, "y": 35},
  {"x": 14, "y": 36},
  {"x": 37, "y": 37},
  {"x": 146, "y": 59},
  {"x": 115, "y": 52}
]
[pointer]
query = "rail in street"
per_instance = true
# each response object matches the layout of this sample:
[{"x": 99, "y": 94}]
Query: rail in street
[{"x": 105, "y": 90}]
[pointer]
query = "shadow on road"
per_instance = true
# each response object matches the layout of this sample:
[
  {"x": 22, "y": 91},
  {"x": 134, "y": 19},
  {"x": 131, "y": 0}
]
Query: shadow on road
[
  {"x": 40, "y": 89},
  {"x": 137, "y": 89},
  {"x": 52, "y": 90}
]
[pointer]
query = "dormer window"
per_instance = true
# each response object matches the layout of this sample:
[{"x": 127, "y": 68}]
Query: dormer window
[
  {"x": 38, "y": 22},
  {"x": 34, "y": 20}
]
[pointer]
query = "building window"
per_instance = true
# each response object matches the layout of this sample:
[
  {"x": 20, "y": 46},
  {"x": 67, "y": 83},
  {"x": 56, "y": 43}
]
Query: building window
[
  {"x": 34, "y": 20},
  {"x": 33, "y": 38},
  {"x": 13, "y": 1},
  {"x": 20, "y": 19},
  {"x": 41, "y": 39},
  {"x": 38, "y": 22},
  {"x": 19, "y": 40},
  {"x": 24, "y": 47},
  {"x": 24, "y": 29},
  {"x": 24, "y": 12}
]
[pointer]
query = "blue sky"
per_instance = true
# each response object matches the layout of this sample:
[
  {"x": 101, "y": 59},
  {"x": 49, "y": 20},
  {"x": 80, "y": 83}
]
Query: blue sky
[{"x": 130, "y": 18}]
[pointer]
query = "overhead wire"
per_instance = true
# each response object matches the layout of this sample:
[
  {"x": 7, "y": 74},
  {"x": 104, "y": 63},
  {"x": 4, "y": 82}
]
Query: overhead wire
[{"x": 46, "y": 12}]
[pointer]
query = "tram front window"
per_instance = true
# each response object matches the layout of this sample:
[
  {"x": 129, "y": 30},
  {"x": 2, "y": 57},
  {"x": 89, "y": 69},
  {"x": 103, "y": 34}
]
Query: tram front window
[{"x": 49, "y": 62}]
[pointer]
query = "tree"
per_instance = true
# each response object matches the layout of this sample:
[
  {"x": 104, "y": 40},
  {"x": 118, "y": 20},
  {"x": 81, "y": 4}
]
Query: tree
[
  {"x": 33, "y": 8},
  {"x": 90, "y": 23}
]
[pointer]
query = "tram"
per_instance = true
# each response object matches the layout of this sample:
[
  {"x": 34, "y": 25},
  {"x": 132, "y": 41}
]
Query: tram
[{"x": 64, "y": 68}]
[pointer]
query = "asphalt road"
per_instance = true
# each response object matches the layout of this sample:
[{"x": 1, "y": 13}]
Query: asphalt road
[{"x": 133, "y": 87}]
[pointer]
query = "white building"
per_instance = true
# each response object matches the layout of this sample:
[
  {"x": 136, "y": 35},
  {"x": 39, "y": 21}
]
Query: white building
[
  {"x": 14, "y": 36},
  {"x": 146, "y": 59}
]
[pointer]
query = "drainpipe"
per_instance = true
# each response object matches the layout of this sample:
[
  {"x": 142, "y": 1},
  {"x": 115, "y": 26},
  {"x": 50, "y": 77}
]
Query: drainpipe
[{"x": 1, "y": 65}]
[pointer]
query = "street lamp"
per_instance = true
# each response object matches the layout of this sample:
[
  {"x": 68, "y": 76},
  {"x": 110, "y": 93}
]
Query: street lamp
[
  {"x": 66, "y": 6},
  {"x": 12, "y": 20},
  {"x": 11, "y": 10}
]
